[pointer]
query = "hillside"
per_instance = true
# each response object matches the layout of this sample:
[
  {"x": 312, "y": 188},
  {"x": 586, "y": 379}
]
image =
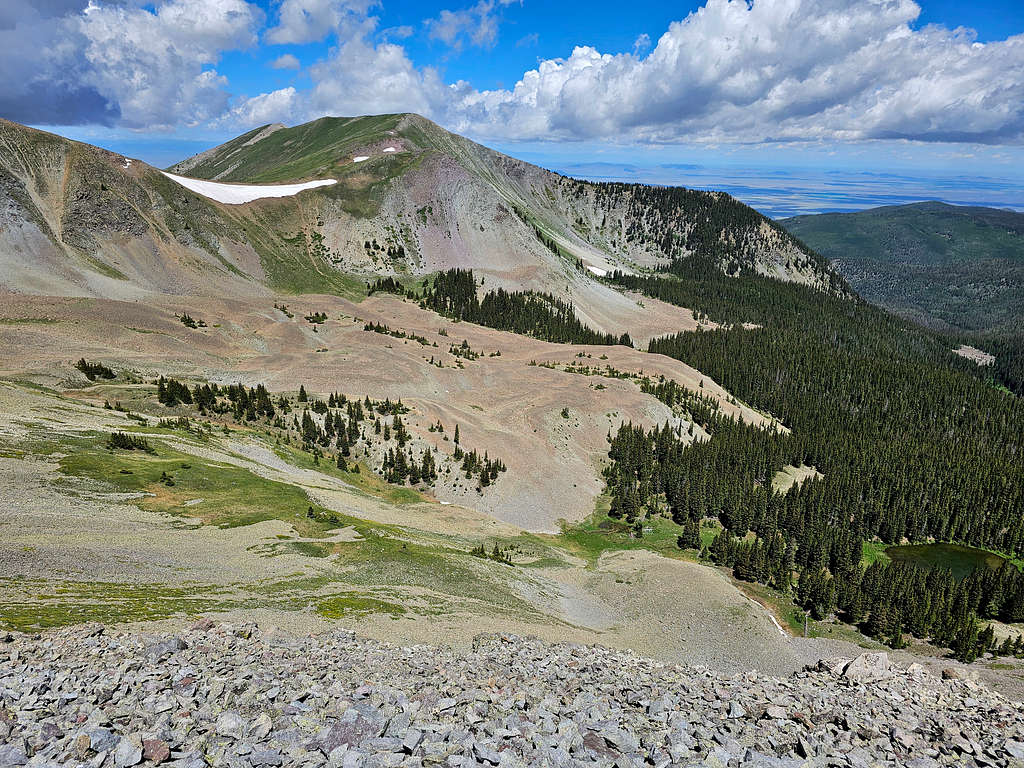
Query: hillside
[
  {"x": 233, "y": 695},
  {"x": 410, "y": 199},
  {"x": 454, "y": 421},
  {"x": 461, "y": 204},
  {"x": 947, "y": 267}
]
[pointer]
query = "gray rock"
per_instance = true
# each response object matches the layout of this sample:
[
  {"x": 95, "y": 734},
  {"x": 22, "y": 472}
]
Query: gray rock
[
  {"x": 1014, "y": 748},
  {"x": 868, "y": 666},
  {"x": 128, "y": 752},
  {"x": 13, "y": 754},
  {"x": 230, "y": 725},
  {"x": 102, "y": 740},
  {"x": 413, "y": 738},
  {"x": 261, "y": 727},
  {"x": 334, "y": 701},
  {"x": 266, "y": 757},
  {"x": 621, "y": 740},
  {"x": 485, "y": 754}
]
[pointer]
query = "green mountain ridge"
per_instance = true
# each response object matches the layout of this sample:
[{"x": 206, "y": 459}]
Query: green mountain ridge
[{"x": 951, "y": 268}]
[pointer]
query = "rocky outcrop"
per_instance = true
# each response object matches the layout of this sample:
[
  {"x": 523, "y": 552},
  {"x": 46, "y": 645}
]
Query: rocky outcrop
[{"x": 229, "y": 696}]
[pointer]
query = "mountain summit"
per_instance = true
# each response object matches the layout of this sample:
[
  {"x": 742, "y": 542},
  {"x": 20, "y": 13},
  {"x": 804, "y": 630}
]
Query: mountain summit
[{"x": 410, "y": 198}]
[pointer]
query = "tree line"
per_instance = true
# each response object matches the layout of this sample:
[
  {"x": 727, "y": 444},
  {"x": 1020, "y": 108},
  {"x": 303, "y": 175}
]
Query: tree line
[
  {"x": 913, "y": 444},
  {"x": 454, "y": 294}
]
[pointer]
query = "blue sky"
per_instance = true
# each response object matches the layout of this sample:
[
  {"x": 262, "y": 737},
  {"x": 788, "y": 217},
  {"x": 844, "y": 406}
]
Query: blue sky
[{"x": 931, "y": 89}]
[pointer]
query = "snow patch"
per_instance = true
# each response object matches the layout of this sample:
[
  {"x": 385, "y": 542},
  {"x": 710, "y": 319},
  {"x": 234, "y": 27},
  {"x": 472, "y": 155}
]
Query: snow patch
[
  {"x": 390, "y": 149},
  {"x": 360, "y": 159},
  {"x": 598, "y": 271},
  {"x": 127, "y": 163},
  {"x": 237, "y": 194}
]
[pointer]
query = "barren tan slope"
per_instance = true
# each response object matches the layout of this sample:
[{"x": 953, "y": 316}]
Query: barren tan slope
[{"x": 502, "y": 404}]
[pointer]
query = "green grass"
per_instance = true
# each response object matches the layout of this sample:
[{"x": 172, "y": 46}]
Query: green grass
[
  {"x": 106, "y": 269},
  {"x": 27, "y": 321},
  {"x": 290, "y": 262},
  {"x": 791, "y": 617},
  {"x": 231, "y": 496},
  {"x": 873, "y": 551},
  {"x": 317, "y": 149},
  {"x": 345, "y": 605},
  {"x": 600, "y": 533},
  {"x": 60, "y": 603},
  {"x": 309, "y": 548},
  {"x": 365, "y": 480}
]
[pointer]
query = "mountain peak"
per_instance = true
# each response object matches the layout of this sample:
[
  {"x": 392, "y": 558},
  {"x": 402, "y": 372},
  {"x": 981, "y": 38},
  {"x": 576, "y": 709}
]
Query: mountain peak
[{"x": 407, "y": 197}]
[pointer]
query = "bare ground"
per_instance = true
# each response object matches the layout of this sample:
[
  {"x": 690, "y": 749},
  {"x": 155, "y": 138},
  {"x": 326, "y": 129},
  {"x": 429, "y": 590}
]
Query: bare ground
[{"x": 502, "y": 404}]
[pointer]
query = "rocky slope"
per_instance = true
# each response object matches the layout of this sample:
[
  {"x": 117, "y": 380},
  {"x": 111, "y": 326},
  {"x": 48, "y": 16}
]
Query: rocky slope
[
  {"x": 411, "y": 198},
  {"x": 451, "y": 202},
  {"x": 227, "y": 696}
]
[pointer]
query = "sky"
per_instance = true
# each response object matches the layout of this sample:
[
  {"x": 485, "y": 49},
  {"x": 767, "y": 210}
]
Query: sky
[{"x": 793, "y": 105}]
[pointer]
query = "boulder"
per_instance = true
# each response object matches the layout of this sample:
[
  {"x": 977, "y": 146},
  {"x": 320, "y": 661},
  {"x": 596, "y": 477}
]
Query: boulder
[{"x": 869, "y": 666}]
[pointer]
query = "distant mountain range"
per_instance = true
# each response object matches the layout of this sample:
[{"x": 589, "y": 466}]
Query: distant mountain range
[{"x": 952, "y": 268}]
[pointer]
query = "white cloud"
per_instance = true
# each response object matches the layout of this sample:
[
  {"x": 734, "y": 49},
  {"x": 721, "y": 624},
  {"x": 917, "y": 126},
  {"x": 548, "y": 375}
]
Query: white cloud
[
  {"x": 528, "y": 40},
  {"x": 770, "y": 70},
  {"x": 156, "y": 65},
  {"x": 774, "y": 69},
  {"x": 733, "y": 71},
  {"x": 274, "y": 107},
  {"x": 308, "y": 21},
  {"x": 398, "y": 33},
  {"x": 362, "y": 78},
  {"x": 41, "y": 66},
  {"x": 477, "y": 25},
  {"x": 287, "y": 61},
  {"x": 641, "y": 44}
]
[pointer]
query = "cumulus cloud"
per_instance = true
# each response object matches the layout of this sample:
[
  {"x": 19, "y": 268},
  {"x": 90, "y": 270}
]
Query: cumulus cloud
[
  {"x": 309, "y": 21},
  {"x": 274, "y": 107},
  {"x": 157, "y": 65},
  {"x": 365, "y": 78},
  {"x": 41, "y": 66},
  {"x": 287, "y": 61},
  {"x": 143, "y": 67},
  {"x": 477, "y": 25},
  {"x": 732, "y": 71},
  {"x": 772, "y": 70}
]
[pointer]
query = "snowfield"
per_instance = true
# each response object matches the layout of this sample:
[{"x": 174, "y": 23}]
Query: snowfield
[
  {"x": 237, "y": 194},
  {"x": 360, "y": 159},
  {"x": 598, "y": 271}
]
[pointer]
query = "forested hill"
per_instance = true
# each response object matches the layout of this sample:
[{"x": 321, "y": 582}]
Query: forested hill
[
  {"x": 913, "y": 444},
  {"x": 944, "y": 266}
]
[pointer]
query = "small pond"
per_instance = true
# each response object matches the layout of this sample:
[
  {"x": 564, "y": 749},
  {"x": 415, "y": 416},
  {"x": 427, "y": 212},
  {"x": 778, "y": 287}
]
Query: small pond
[{"x": 954, "y": 557}]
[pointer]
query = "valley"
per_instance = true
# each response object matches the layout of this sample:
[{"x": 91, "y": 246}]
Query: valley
[
  {"x": 452, "y": 393},
  {"x": 249, "y": 527},
  {"x": 361, "y": 406}
]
